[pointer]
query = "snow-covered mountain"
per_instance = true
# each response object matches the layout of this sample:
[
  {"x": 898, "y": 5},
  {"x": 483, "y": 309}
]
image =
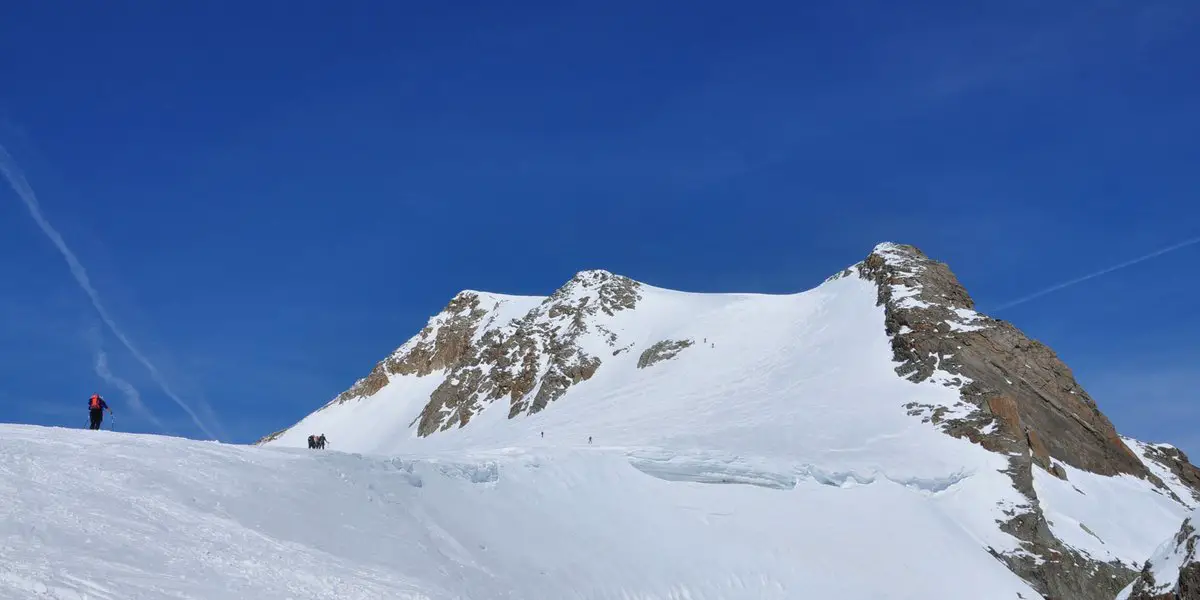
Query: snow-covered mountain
[{"x": 884, "y": 376}]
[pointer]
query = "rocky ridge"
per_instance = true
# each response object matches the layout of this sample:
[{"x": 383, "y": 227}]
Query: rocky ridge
[
  {"x": 1017, "y": 398},
  {"x": 531, "y": 361}
]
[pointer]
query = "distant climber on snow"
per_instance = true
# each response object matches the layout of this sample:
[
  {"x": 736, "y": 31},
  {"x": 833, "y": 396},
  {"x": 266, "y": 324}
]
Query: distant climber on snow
[
  {"x": 96, "y": 408},
  {"x": 316, "y": 441}
]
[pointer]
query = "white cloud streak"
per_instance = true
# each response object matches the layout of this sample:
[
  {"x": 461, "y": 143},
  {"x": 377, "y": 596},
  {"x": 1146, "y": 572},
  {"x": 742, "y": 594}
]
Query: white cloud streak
[
  {"x": 1077, "y": 280},
  {"x": 131, "y": 393},
  {"x": 16, "y": 178}
]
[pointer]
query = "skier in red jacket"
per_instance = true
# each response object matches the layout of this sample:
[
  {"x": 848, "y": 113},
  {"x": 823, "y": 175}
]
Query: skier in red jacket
[{"x": 96, "y": 408}]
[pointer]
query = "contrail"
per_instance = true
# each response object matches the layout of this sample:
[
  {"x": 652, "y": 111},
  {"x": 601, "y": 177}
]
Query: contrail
[
  {"x": 1128, "y": 263},
  {"x": 21, "y": 186},
  {"x": 131, "y": 393}
]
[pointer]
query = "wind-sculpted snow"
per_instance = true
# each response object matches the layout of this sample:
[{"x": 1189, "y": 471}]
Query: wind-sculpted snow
[
  {"x": 109, "y": 516},
  {"x": 708, "y": 469},
  {"x": 713, "y": 468}
]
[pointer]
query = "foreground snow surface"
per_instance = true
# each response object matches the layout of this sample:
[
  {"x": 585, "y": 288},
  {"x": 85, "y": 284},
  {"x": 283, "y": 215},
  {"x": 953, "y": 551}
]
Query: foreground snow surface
[{"x": 107, "y": 515}]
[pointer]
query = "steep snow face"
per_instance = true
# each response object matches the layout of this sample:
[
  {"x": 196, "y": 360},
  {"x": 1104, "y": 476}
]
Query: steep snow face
[
  {"x": 1108, "y": 519},
  {"x": 103, "y": 515}
]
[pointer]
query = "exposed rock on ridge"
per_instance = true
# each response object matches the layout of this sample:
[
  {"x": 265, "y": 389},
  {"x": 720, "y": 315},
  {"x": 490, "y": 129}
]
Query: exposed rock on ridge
[
  {"x": 532, "y": 361},
  {"x": 1016, "y": 397},
  {"x": 1006, "y": 375},
  {"x": 441, "y": 344},
  {"x": 1177, "y": 463}
]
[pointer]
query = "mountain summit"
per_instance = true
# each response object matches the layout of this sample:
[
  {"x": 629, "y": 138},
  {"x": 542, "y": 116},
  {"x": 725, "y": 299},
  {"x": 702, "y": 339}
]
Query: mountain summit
[{"x": 885, "y": 374}]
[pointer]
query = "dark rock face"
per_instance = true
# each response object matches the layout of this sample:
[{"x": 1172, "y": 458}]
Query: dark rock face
[
  {"x": 1016, "y": 398},
  {"x": 532, "y": 361},
  {"x": 660, "y": 351},
  {"x": 933, "y": 325},
  {"x": 1186, "y": 586},
  {"x": 440, "y": 345}
]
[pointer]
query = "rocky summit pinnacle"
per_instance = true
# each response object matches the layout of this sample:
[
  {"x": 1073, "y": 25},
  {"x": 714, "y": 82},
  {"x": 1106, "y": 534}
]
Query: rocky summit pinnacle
[
  {"x": 1016, "y": 383},
  {"x": 1018, "y": 398},
  {"x": 888, "y": 360}
]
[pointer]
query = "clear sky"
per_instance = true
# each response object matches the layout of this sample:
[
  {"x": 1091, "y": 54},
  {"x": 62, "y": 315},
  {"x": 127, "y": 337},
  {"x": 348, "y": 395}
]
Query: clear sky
[{"x": 269, "y": 197}]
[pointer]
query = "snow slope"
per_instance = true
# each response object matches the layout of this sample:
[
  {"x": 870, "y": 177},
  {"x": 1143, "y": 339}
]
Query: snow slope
[
  {"x": 1109, "y": 519},
  {"x": 100, "y": 515}
]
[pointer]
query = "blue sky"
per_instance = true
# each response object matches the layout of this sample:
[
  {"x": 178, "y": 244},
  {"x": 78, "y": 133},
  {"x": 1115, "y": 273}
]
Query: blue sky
[{"x": 270, "y": 197}]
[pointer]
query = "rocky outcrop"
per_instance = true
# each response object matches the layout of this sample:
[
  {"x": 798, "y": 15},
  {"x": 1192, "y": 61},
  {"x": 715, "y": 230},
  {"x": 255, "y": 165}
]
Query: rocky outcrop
[
  {"x": 935, "y": 330},
  {"x": 1016, "y": 397},
  {"x": 660, "y": 351},
  {"x": 532, "y": 362},
  {"x": 1172, "y": 574},
  {"x": 442, "y": 344}
]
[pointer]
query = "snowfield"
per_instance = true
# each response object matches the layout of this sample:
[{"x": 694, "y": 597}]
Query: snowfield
[{"x": 111, "y": 516}]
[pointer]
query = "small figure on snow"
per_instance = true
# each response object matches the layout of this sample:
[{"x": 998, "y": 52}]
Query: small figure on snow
[
  {"x": 321, "y": 442},
  {"x": 589, "y": 439},
  {"x": 96, "y": 408}
]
